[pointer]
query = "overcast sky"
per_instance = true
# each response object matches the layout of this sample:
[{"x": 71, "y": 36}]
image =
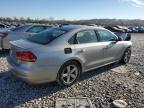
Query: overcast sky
[{"x": 73, "y": 9}]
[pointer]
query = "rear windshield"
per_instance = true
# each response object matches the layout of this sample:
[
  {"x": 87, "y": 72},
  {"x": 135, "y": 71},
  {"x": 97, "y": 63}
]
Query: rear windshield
[{"x": 46, "y": 36}]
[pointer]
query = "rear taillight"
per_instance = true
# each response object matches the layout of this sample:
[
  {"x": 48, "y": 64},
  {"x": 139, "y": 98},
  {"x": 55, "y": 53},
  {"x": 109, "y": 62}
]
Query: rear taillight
[
  {"x": 3, "y": 34},
  {"x": 26, "y": 56}
]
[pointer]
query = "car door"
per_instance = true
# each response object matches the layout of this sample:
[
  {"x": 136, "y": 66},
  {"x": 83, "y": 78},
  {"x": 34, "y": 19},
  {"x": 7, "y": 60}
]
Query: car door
[
  {"x": 113, "y": 48},
  {"x": 89, "y": 49}
]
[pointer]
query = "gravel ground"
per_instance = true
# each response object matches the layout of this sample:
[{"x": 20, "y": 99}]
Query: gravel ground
[{"x": 102, "y": 85}]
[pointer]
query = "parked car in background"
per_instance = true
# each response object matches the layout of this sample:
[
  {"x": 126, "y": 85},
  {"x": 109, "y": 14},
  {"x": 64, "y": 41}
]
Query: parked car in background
[
  {"x": 133, "y": 29},
  {"x": 140, "y": 29},
  {"x": 20, "y": 33},
  {"x": 114, "y": 29},
  {"x": 120, "y": 31},
  {"x": 3, "y": 27},
  {"x": 122, "y": 35},
  {"x": 125, "y": 29},
  {"x": 61, "y": 54}
]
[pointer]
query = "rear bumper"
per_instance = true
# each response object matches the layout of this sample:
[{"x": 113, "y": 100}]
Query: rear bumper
[{"x": 32, "y": 75}]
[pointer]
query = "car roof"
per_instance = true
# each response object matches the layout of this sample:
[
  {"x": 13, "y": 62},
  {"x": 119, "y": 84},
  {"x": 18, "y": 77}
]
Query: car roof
[
  {"x": 31, "y": 25},
  {"x": 74, "y": 27}
]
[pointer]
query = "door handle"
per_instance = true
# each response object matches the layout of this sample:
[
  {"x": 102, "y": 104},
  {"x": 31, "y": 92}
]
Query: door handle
[{"x": 110, "y": 45}]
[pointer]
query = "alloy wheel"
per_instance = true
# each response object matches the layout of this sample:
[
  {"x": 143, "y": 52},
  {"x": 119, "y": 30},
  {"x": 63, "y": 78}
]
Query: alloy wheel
[
  {"x": 69, "y": 74},
  {"x": 127, "y": 56}
]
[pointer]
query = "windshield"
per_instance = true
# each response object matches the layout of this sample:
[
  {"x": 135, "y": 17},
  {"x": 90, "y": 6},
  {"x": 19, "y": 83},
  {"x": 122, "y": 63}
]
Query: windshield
[{"x": 46, "y": 36}]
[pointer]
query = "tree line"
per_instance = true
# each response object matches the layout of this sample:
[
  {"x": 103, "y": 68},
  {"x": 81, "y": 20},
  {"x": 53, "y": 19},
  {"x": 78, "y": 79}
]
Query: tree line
[{"x": 105, "y": 22}]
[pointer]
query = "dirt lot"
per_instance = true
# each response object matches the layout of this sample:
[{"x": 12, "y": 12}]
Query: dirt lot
[{"x": 102, "y": 85}]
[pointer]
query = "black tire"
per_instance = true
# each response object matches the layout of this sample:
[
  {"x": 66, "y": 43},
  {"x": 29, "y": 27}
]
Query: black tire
[
  {"x": 60, "y": 80},
  {"x": 126, "y": 56}
]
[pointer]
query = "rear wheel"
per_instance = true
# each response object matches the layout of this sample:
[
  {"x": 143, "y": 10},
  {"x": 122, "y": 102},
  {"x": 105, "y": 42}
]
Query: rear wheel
[
  {"x": 68, "y": 74},
  {"x": 126, "y": 56}
]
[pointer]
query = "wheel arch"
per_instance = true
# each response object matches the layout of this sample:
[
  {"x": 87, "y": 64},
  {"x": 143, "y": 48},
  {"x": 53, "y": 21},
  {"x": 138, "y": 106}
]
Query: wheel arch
[
  {"x": 68, "y": 61},
  {"x": 129, "y": 46},
  {"x": 78, "y": 61}
]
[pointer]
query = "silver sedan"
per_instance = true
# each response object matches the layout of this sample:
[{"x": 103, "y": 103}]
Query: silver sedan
[{"x": 61, "y": 54}]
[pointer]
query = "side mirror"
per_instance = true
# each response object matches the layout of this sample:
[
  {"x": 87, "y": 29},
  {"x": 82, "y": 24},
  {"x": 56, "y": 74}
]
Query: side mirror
[
  {"x": 128, "y": 37},
  {"x": 118, "y": 39}
]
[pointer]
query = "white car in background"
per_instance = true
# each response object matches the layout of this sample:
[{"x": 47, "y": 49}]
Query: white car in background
[{"x": 19, "y": 33}]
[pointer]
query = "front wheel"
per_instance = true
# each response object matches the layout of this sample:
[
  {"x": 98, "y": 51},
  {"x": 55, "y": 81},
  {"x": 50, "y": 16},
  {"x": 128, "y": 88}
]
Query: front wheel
[
  {"x": 126, "y": 56},
  {"x": 68, "y": 74}
]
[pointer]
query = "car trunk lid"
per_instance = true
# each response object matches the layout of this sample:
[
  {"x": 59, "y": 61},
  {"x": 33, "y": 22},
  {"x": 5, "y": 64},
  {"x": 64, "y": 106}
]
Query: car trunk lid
[{"x": 21, "y": 46}]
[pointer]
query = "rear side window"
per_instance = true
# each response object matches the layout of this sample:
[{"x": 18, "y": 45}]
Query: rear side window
[
  {"x": 37, "y": 29},
  {"x": 72, "y": 40},
  {"x": 46, "y": 36},
  {"x": 87, "y": 36},
  {"x": 106, "y": 36}
]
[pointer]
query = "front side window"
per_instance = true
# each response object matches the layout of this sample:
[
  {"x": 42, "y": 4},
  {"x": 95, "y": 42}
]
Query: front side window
[
  {"x": 46, "y": 36},
  {"x": 87, "y": 36},
  {"x": 106, "y": 36}
]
